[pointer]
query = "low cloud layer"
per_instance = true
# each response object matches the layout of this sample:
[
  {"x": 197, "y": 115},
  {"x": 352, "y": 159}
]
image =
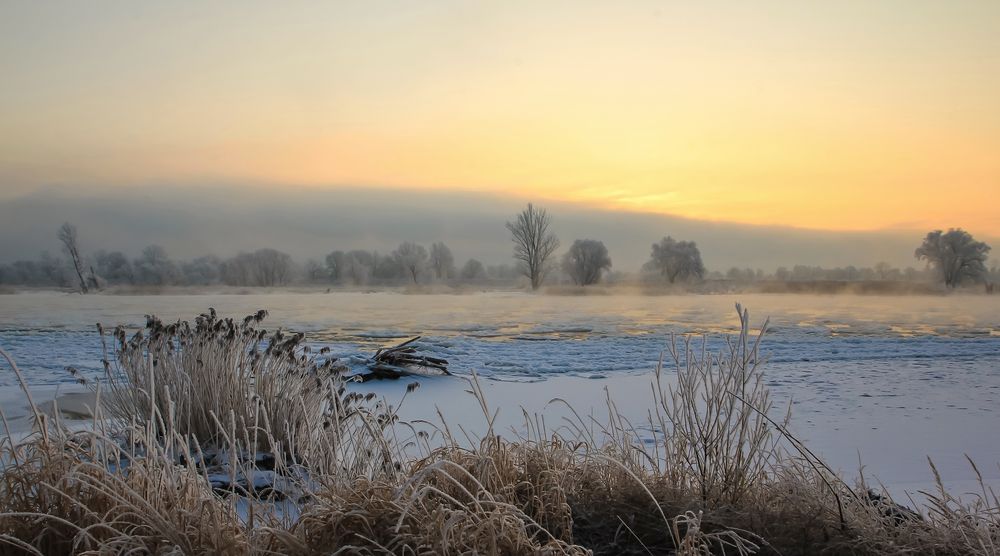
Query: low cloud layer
[{"x": 190, "y": 221}]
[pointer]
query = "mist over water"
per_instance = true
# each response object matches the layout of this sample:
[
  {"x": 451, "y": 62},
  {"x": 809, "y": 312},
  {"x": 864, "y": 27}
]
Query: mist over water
[{"x": 515, "y": 336}]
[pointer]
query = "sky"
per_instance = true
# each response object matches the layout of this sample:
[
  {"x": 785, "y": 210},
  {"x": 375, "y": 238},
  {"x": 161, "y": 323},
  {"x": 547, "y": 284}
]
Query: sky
[{"x": 848, "y": 116}]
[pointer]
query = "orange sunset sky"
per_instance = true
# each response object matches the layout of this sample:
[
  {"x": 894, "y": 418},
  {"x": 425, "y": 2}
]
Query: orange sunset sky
[{"x": 847, "y": 115}]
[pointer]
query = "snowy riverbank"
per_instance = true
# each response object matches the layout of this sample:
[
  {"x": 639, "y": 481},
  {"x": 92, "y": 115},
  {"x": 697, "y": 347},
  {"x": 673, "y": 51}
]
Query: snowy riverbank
[{"x": 894, "y": 379}]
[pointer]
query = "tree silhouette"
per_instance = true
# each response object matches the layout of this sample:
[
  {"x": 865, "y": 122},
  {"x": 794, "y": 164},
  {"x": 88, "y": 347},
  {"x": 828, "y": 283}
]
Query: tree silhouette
[
  {"x": 411, "y": 257},
  {"x": 534, "y": 245},
  {"x": 677, "y": 259},
  {"x": 67, "y": 235},
  {"x": 955, "y": 255},
  {"x": 585, "y": 261},
  {"x": 442, "y": 261}
]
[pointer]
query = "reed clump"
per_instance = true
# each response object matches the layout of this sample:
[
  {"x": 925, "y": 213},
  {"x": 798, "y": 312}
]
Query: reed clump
[
  {"x": 219, "y": 438},
  {"x": 225, "y": 382}
]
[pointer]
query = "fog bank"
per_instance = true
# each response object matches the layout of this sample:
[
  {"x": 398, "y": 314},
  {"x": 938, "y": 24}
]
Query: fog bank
[{"x": 190, "y": 221}]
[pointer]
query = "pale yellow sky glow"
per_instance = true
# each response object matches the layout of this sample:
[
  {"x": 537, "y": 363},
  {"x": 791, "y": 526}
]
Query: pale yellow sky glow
[{"x": 833, "y": 115}]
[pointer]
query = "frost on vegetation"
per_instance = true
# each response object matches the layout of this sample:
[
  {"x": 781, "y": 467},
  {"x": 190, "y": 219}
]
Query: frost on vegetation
[{"x": 219, "y": 437}]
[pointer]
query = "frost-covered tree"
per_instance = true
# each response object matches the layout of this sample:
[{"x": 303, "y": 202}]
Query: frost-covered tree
[
  {"x": 48, "y": 271},
  {"x": 53, "y": 270},
  {"x": 585, "y": 261},
  {"x": 235, "y": 271},
  {"x": 503, "y": 272},
  {"x": 114, "y": 267},
  {"x": 883, "y": 270},
  {"x": 534, "y": 244},
  {"x": 263, "y": 267},
  {"x": 955, "y": 255},
  {"x": 358, "y": 266},
  {"x": 67, "y": 235},
  {"x": 473, "y": 271},
  {"x": 412, "y": 258},
  {"x": 271, "y": 267},
  {"x": 201, "y": 271},
  {"x": 677, "y": 260},
  {"x": 743, "y": 274},
  {"x": 154, "y": 267},
  {"x": 386, "y": 269},
  {"x": 314, "y": 272},
  {"x": 442, "y": 261},
  {"x": 335, "y": 264}
]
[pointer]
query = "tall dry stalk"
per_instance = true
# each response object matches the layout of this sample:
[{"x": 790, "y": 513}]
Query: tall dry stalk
[{"x": 714, "y": 420}]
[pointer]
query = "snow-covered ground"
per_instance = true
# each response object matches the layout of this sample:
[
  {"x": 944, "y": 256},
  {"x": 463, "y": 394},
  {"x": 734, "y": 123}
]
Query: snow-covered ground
[{"x": 892, "y": 379}]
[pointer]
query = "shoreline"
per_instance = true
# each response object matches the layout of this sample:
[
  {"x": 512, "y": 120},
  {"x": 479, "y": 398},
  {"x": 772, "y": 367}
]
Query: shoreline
[
  {"x": 708, "y": 288},
  {"x": 555, "y": 401}
]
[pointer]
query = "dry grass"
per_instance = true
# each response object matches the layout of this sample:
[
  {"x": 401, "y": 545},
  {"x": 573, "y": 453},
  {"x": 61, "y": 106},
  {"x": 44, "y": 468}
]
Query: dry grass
[
  {"x": 171, "y": 468},
  {"x": 227, "y": 383}
]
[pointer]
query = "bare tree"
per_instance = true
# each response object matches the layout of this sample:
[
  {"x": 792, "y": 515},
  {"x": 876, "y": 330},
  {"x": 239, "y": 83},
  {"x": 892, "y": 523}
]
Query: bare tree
[
  {"x": 411, "y": 257},
  {"x": 585, "y": 261},
  {"x": 473, "y": 271},
  {"x": 114, "y": 267},
  {"x": 202, "y": 271},
  {"x": 154, "y": 267},
  {"x": 235, "y": 271},
  {"x": 742, "y": 274},
  {"x": 358, "y": 266},
  {"x": 314, "y": 272},
  {"x": 263, "y": 267},
  {"x": 534, "y": 245},
  {"x": 955, "y": 255},
  {"x": 67, "y": 235},
  {"x": 882, "y": 270},
  {"x": 677, "y": 259},
  {"x": 271, "y": 267},
  {"x": 386, "y": 268},
  {"x": 442, "y": 261},
  {"x": 336, "y": 262},
  {"x": 53, "y": 270}
]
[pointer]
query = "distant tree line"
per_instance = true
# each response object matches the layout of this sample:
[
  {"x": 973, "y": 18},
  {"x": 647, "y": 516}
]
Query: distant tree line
[
  {"x": 881, "y": 272},
  {"x": 953, "y": 257},
  {"x": 409, "y": 263},
  {"x": 805, "y": 273}
]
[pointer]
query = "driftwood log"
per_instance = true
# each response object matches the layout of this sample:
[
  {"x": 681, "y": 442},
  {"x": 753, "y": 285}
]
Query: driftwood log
[{"x": 402, "y": 360}]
